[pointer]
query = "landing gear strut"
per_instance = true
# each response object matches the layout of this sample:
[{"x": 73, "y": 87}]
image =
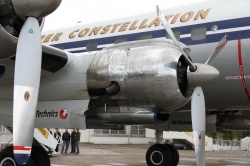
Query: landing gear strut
[
  {"x": 162, "y": 154},
  {"x": 38, "y": 157}
]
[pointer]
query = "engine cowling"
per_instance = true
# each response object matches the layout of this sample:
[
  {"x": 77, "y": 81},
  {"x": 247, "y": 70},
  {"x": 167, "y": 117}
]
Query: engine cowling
[
  {"x": 12, "y": 16},
  {"x": 150, "y": 72}
]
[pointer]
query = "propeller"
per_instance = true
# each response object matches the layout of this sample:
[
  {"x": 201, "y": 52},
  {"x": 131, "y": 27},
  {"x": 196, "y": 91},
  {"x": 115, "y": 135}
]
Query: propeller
[
  {"x": 198, "y": 123},
  {"x": 26, "y": 88},
  {"x": 172, "y": 36},
  {"x": 27, "y": 73},
  {"x": 198, "y": 75},
  {"x": 218, "y": 49}
]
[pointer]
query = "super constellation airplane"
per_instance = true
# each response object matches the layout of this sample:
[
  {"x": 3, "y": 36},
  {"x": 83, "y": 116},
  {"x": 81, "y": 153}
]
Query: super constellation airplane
[{"x": 123, "y": 72}]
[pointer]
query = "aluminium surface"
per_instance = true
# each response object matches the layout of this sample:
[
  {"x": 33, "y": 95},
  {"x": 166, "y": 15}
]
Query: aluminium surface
[{"x": 134, "y": 155}]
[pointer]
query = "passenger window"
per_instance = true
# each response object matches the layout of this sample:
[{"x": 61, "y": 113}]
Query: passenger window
[
  {"x": 177, "y": 34},
  {"x": 145, "y": 36},
  {"x": 198, "y": 33},
  {"x": 120, "y": 40},
  {"x": 91, "y": 46}
]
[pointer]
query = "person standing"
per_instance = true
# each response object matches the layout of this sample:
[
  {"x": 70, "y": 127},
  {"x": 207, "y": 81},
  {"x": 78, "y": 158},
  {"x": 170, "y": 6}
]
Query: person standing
[
  {"x": 73, "y": 141},
  {"x": 77, "y": 140},
  {"x": 66, "y": 140},
  {"x": 49, "y": 131},
  {"x": 57, "y": 136}
]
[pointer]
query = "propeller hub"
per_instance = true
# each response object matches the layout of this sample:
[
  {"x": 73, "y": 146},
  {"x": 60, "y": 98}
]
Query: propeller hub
[
  {"x": 203, "y": 75},
  {"x": 34, "y": 8}
]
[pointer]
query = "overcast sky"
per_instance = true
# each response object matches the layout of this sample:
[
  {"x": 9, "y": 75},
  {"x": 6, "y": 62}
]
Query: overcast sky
[{"x": 72, "y": 11}]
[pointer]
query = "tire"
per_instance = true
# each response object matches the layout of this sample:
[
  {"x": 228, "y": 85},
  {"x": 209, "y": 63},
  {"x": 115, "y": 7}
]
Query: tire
[
  {"x": 38, "y": 157},
  {"x": 159, "y": 155},
  {"x": 175, "y": 155}
]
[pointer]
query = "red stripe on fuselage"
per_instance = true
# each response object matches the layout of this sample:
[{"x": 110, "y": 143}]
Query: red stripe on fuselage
[
  {"x": 21, "y": 148},
  {"x": 242, "y": 70}
]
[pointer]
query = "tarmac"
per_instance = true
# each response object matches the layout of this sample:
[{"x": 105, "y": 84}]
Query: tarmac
[{"x": 134, "y": 155}]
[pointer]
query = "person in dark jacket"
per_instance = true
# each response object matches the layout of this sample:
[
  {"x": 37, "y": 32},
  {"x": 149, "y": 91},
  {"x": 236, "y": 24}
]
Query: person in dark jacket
[
  {"x": 66, "y": 140},
  {"x": 77, "y": 139},
  {"x": 73, "y": 136},
  {"x": 57, "y": 136}
]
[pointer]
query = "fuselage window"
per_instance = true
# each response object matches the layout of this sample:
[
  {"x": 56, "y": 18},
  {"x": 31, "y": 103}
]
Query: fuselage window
[
  {"x": 120, "y": 40},
  {"x": 177, "y": 34},
  {"x": 145, "y": 36},
  {"x": 91, "y": 46},
  {"x": 198, "y": 33}
]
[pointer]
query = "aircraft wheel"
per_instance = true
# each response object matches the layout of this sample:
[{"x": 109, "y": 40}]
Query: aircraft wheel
[
  {"x": 38, "y": 157},
  {"x": 159, "y": 155},
  {"x": 175, "y": 154}
]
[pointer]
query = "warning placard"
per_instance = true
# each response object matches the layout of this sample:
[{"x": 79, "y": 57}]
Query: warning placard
[{"x": 44, "y": 132}]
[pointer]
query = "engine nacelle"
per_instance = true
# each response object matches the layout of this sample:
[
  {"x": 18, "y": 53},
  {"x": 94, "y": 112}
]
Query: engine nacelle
[{"x": 150, "y": 72}]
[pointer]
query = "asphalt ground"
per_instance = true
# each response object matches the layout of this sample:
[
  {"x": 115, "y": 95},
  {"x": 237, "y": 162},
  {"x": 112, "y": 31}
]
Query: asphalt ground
[{"x": 134, "y": 155}]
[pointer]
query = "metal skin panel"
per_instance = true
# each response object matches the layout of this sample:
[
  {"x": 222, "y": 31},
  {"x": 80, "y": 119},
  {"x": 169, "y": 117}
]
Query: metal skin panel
[
  {"x": 69, "y": 83},
  {"x": 152, "y": 77},
  {"x": 146, "y": 73}
]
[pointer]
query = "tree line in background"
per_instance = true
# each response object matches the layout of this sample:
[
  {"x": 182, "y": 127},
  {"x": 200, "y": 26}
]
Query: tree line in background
[{"x": 232, "y": 135}]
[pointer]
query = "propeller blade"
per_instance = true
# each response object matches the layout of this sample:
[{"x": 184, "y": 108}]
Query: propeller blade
[
  {"x": 172, "y": 36},
  {"x": 198, "y": 124},
  {"x": 26, "y": 87},
  {"x": 217, "y": 50}
]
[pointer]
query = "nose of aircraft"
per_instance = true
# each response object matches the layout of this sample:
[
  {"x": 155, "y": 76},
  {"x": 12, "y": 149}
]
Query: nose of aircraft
[{"x": 203, "y": 75}]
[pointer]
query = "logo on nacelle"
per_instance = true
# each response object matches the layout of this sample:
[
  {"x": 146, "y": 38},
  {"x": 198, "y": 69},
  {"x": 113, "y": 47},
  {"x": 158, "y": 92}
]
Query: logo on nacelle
[
  {"x": 181, "y": 122},
  {"x": 63, "y": 113},
  {"x": 46, "y": 114}
]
